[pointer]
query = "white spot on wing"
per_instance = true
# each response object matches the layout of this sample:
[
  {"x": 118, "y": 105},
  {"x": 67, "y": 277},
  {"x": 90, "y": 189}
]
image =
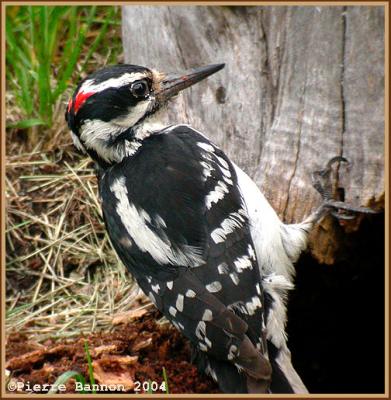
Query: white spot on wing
[
  {"x": 242, "y": 263},
  {"x": 207, "y": 169},
  {"x": 172, "y": 311},
  {"x": 223, "y": 268},
  {"x": 253, "y": 304},
  {"x": 228, "y": 180},
  {"x": 216, "y": 194},
  {"x": 201, "y": 330},
  {"x": 126, "y": 242},
  {"x": 214, "y": 287},
  {"x": 238, "y": 306},
  {"x": 134, "y": 220},
  {"x": 179, "y": 302},
  {"x": 190, "y": 293},
  {"x": 251, "y": 252},
  {"x": 156, "y": 288},
  {"x": 258, "y": 288},
  {"x": 211, "y": 372},
  {"x": 234, "y": 277},
  {"x": 202, "y": 346},
  {"x": 233, "y": 221},
  {"x": 169, "y": 284},
  {"x": 223, "y": 163},
  {"x": 160, "y": 221},
  {"x": 206, "y": 147},
  {"x": 175, "y": 323},
  {"x": 232, "y": 352},
  {"x": 208, "y": 316}
]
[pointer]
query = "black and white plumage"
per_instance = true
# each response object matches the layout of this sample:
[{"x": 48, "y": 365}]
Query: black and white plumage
[{"x": 192, "y": 228}]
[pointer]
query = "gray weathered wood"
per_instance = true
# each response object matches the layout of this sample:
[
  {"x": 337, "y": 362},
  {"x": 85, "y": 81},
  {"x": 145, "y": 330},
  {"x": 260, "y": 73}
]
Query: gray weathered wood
[{"x": 301, "y": 85}]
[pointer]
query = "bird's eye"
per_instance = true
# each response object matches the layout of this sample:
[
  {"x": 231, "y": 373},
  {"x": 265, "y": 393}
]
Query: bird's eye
[{"x": 139, "y": 89}]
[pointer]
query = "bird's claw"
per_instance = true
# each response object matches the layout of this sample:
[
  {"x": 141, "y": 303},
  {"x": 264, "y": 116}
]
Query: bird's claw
[
  {"x": 341, "y": 210},
  {"x": 321, "y": 181},
  {"x": 321, "y": 178}
]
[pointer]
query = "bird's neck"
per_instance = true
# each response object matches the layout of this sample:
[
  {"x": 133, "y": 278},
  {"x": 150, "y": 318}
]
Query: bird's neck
[
  {"x": 148, "y": 127},
  {"x": 111, "y": 146}
]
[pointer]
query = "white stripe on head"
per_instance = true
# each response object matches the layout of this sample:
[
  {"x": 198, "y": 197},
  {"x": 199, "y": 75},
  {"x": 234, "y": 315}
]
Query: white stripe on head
[
  {"x": 134, "y": 114},
  {"x": 90, "y": 86},
  {"x": 97, "y": 134}
]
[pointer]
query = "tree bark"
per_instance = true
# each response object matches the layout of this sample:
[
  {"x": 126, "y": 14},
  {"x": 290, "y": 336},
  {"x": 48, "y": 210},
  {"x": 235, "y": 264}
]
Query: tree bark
[{"x": 301, "y": 85}]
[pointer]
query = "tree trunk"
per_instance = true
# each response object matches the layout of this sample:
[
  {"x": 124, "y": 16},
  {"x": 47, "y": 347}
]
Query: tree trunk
[{"x": 301, "y": 85}]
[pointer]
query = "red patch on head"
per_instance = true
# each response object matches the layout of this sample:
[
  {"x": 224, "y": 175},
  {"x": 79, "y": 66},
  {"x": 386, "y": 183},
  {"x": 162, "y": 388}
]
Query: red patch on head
[{"x": 80, "y": 99}]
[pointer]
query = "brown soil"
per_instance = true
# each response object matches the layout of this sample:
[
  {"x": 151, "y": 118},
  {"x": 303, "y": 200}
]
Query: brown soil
[{"x": 135, "y": 351}]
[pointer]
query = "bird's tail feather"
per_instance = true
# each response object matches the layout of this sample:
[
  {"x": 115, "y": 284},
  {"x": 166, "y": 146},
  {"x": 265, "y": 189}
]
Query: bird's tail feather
[
  {"x": 231, "y": 378},
  {"x": 284, "y": 364},
  {"x": 285, "y": 379}
]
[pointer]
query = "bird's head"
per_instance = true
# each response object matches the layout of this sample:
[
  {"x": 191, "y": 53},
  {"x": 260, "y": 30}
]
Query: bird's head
[{"x": 109, "y": 108}]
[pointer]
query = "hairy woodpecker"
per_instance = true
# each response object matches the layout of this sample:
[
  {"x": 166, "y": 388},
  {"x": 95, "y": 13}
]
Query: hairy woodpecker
[{"x": 192, "y": 228}]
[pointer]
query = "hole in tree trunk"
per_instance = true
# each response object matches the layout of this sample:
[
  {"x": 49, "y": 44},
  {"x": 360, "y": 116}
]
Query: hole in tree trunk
[{"x": 336, "y": 316}]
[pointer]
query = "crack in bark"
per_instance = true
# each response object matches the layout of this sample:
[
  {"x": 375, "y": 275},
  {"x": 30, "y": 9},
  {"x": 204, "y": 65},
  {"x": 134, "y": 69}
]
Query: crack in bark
[
  {"x": 342, "y": 91},
  {"x": 297, "y": 153},
  {"x": 273, "y": 90},
  {"x": 263, "y": 40}
]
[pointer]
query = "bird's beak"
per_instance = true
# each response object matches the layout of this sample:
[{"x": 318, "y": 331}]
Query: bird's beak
[{"x": 172, "y": 84}]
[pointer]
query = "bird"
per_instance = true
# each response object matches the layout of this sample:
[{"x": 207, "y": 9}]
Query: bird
[{"x": 192, "y": 228}]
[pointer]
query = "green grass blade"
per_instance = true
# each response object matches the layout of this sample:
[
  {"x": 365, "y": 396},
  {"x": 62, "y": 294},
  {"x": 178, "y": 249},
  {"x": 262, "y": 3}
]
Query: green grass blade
[
  {"x": 98, "y": 40},
  {"x": 165, "y": 380},
  {"x": 74, "y": 55},
  {"x": 18, "y": 65},
  {"x": 17, "y": 309},
  {"x": 26, "y": 123},
  {"x": 44, "y": 53},
  {"x": 56, "y": 15},
  {"x": 90, "y": 367},
  {"x": 22, "y": 89},
  {"x": 31, "y": 19},
  {"x": 70, "y": 40},
  {"x": 45, "y": 105},
  {"x": 64, "y": 378}
]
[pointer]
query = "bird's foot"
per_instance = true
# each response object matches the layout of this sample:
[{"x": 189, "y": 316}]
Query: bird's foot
[{"x": 322, "y": 182}]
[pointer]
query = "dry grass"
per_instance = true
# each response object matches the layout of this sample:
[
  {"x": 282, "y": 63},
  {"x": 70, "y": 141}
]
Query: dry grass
[
  {"x": 62, "y": 274},
  {"x": 63, "y": 277}
]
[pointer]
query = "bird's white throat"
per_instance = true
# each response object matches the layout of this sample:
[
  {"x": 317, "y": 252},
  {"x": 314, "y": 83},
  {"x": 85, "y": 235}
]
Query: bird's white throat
[{"x": 99, "y": 136}]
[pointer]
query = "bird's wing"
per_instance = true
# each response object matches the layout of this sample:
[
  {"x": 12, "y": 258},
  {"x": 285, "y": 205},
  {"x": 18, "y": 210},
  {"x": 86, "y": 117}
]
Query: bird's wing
[{"x": 183, "y": 232}]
